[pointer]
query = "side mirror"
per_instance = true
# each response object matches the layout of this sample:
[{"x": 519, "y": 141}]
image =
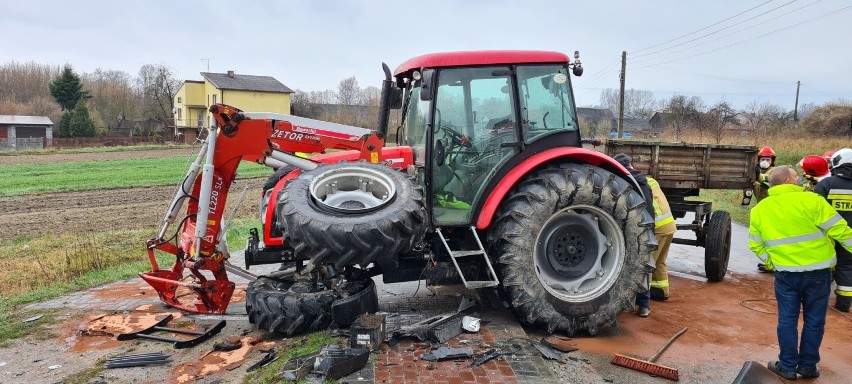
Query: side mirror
[
  {"x": 427, "y": 84},
  {"x": 395, "y": 98}
]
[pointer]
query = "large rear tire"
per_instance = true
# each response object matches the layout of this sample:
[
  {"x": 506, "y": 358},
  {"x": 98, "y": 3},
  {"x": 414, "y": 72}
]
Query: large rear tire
[
  {"x": 351, "y": 213},
  {"x": 717, "y": 246},
  {"x": 276, "y": 303},
  {"x": 572, "y": 243}
]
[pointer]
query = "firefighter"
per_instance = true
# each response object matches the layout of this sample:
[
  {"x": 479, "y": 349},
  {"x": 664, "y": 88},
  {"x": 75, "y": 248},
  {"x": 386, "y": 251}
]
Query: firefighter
[
  {"x": 837, "y": 189},
  {"x": 643, "y": 299},
  {"x": 815, "y": 168},
  {"x": 792, "y": 230},
  {"x": 765, "y": 162},
  {"x": 664, "y": 230}
]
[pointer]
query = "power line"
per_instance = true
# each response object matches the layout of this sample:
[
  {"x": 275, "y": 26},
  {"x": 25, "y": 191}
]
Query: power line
[
  {"x": 724, "y": 36},
  {"x": 699, "y": 30},
  {"x": 716, "y": 31},
  {"x": 750, "y": 39},
  {"x": 725, "y": 78}
]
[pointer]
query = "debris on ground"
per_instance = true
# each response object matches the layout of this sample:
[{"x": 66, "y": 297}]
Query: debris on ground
[
  {"x": 448, "y": 353},
  {"x": 229, "y": 344},
  {"x": 470, "y": 324},
  {"x": 547, "y": 352},
  {"x": 331, "y": 363},
  {"x": 368, "y": 331},
  {"x": 52, "y": 367},
  {"x": 559, "y": 343},
  {"x": 179, "y": 343},
  {"x": 138, "y": 360},
  {"x": 439, "y": 328},
  {"x": 270, "y": 356},
  {"x": 484, "y": 357},
  {"x": 31, "y": 319},
  {"x": 466, "y": 303},
  {"x": 213, "y": 362}
]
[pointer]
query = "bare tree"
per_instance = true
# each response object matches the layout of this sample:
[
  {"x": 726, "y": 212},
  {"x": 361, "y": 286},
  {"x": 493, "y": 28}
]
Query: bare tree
[
  {"x": 113, "y": 97},
  {"x": 717, "y": 118},
  {"x": 348, "y": 92},
  {"x": 683, "y": 113},
  {"x": 759, "y": 114},
  {"x": 638, "y": 103},
  {"x": 157, "y": 87}
]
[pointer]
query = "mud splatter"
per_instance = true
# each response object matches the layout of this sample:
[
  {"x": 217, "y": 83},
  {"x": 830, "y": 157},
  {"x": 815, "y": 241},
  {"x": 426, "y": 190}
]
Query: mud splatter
[{"x": 216, "y": 361}]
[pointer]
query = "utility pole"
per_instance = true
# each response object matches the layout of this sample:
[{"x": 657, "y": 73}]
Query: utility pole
[
  {"x": 621, "y": 98},
  {"x": 208, "y": 64},
  {"x": 796, "y": 111}
]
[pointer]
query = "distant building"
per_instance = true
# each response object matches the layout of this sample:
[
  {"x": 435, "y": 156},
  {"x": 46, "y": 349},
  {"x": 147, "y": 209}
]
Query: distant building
[
  {"x": 659, "y": 119},
  {"x": 20, "y": 133},
  {"x": 601, "y": 119},
  {"x": 247, "y": 92}
]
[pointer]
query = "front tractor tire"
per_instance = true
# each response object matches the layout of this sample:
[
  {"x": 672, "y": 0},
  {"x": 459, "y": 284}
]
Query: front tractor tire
[
  {"x": 572, "y": 243},
  {"x": 351, "y": 214}
]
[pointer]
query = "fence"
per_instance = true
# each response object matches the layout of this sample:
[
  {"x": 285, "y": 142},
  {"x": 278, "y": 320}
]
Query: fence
[
  {"x": 22, "y": 144},
  {"x": 109, "y": 141}
]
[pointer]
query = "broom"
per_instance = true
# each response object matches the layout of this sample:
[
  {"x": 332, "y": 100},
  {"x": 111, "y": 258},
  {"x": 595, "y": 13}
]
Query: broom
[{"x": 649, "y": 366}]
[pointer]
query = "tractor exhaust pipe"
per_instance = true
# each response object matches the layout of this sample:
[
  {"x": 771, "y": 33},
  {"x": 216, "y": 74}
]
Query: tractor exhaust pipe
[{"x": 384, "y": 105}]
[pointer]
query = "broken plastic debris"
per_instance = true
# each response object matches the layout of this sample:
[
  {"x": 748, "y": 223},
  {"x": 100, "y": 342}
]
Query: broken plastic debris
[
  {"x": 448, "y": 353},
  {"x": 52, "y": 367},
  {"x": 470, "y": 324},
  {"x": 34, "y": 318}
]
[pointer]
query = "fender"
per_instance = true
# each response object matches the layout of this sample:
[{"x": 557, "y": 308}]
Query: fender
[{"x": 572, "y": 154}]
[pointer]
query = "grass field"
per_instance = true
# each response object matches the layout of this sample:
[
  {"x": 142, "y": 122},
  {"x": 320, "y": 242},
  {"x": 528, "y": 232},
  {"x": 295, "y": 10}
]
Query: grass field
[
  {"x": 54, "y": 151},
  {"x": 21, "y": 179}
]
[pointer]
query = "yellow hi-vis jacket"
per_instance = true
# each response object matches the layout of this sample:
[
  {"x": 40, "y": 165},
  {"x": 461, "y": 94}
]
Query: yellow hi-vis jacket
[
  {"x": 664, "y": 222},
  {"x": 792, "y": 230}
]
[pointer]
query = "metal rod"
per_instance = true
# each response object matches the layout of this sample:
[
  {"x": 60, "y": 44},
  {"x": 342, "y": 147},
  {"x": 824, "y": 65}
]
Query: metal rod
[
  {"x": 158, "y": 338},
  {"x": 295, "y": 161},
  {"x": 181, "y": 193},
  {"x": 204, "y": 194},
  {"x": 177, "y": 330},
  {"x": 272, "y": 163}
]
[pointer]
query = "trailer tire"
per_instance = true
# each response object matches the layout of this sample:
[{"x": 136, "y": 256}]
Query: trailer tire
[
  {"x": 717, "y": 246},
  {"x": 351, "y": 232},
  {"x": 278, "y": 304},
  {"x": 553, "y": 213}
]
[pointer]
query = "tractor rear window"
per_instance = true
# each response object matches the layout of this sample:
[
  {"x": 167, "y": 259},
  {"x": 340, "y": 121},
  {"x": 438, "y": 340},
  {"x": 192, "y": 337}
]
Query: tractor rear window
[{"x": 546, "y": 103}]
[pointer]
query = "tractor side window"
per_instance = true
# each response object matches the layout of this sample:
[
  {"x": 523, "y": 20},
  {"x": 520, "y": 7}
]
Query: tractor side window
[
  {"x": 416, "y": 121},
  {"x": 546, "y": 103}
]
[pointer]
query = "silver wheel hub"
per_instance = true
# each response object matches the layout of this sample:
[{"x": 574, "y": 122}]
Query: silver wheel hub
[{"x": 352, "y": 190}]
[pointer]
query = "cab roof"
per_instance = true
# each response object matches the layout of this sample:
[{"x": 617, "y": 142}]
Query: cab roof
[{"x": 474, "y": 58}]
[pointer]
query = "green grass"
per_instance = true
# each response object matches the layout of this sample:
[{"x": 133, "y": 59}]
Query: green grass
[
  {"x": 727, "y": 200},
  {"x": 55, "y": 151},
  {"x": 21, "y": 179},
  {"x": 297, "y": 346},
  {"x": 87, "y": 375}
]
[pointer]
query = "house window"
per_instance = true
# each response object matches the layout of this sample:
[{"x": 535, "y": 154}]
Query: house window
[
  {"x": 179, "y": 113},
  {"x": 214, "y": 99},
  {"x": 180, "y": 100}
]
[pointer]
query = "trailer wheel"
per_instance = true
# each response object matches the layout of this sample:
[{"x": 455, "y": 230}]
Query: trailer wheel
[
  {"x": 278, "y": 304},
  {"x": 351, "y": 213},
  {"x": 572, "y": 243},
  {"x": 717, "y": 246}
]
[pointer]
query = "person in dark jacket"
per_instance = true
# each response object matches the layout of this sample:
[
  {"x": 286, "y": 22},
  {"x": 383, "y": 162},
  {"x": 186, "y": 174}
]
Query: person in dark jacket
[
  {"x": 837, "y": 189},
  {"x": 643, "y": 299}
]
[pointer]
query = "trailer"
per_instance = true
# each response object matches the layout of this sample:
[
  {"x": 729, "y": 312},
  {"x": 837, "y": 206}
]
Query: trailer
[{"x": 683, "y": 169}]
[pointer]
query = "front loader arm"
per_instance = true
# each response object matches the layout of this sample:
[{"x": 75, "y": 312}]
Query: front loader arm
[{"x": 268, "y": 139}]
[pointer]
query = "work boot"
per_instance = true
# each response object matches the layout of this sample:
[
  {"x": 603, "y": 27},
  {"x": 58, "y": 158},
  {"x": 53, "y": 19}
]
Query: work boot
[
  {"x": 658, "y": 294},
  {"x": 643, "y": 312},
  {"x": 808, "y": 373},
  {"x": 775, "y": 366},
  {"x": 842, "y": 303}
]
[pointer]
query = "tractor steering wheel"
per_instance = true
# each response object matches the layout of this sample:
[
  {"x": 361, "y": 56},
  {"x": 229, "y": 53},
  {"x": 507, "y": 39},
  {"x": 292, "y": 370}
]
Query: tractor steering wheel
[{"x": 457, "y": 139}]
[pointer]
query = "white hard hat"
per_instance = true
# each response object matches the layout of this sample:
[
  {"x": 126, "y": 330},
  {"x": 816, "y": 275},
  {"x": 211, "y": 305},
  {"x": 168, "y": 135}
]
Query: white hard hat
[{"x": 843, "y": 156}]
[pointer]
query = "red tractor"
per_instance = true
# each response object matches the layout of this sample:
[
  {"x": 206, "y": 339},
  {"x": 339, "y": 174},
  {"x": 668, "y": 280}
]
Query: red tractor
[{"x": 489, "y": 186}]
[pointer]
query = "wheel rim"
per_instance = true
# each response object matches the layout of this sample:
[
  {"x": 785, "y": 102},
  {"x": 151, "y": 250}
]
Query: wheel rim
[
  {"x": 352, "y": 190},
  {"x": 579, "y": 253}
]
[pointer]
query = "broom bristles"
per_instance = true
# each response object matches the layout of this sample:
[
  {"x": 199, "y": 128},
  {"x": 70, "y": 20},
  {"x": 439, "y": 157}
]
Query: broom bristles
[{"x": 646, "y": 367}]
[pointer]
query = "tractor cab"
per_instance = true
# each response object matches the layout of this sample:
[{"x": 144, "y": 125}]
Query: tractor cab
[{"x": 474, "y": 116}]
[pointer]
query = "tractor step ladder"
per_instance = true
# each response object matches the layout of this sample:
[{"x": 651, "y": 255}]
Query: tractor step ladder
[{"x": 455, "y": 255}]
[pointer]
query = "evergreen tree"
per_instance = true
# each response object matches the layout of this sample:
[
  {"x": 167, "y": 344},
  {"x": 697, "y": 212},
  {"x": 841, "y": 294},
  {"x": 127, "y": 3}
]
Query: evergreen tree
[
  {"x": 81, "y": 124},
  {"x": 67, "y": 89},
  {"x": 65, "y": 124}
]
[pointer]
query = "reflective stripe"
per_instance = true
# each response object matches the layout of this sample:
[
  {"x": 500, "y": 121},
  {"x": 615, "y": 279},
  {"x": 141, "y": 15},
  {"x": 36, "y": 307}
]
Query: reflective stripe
[
  {"x": 843, "y": 293},
  {"x": 804, "y": 268},
  {"x": 663, "y": 220},
  {"x": 830, "y": 222},
  {"x": 840, "y": 191},
  {"x": 659, "y": 283},
  {"x": 847, "y": 243},
  {"x": 843, "y": 288},
  {"x": 755, "y": 238},
  {"x": 763, "y": 256},
  {"x": 795, "y": 239}
]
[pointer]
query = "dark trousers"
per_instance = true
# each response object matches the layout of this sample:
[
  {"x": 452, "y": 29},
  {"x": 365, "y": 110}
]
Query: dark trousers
[
  {"x": 843, "y": 277},
  {"x": 809, "y": 292}
]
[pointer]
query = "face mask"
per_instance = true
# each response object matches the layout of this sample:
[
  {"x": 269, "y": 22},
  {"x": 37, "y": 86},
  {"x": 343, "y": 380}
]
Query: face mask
[{"x": 764, "y": 164}]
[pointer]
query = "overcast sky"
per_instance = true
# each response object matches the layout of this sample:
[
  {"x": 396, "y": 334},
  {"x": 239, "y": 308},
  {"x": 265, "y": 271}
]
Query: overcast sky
[{"x": 756, "y": 50}]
